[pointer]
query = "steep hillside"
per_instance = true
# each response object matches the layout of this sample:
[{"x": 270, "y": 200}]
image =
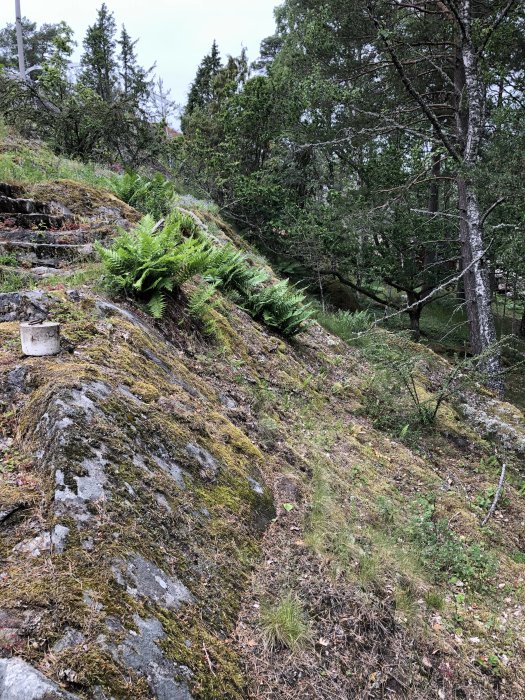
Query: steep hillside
[{"x": 183, "y": 517}]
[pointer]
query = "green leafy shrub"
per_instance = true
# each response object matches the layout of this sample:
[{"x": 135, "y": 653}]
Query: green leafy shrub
[
  {"x": 149, "y": 195},
  {"x": 149, "y": 265},
  {"x": 443, "y": 552}
]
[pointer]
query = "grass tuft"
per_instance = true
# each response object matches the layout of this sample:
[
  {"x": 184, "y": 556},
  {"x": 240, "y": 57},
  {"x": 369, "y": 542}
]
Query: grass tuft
[{"x": 285, "y": 624}]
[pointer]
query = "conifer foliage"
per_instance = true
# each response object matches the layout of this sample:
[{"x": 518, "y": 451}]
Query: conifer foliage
[
  {"x": 106, "y": 111},
  {"x": 202, "y": 89},
  {"x": 98, "y": 60}
]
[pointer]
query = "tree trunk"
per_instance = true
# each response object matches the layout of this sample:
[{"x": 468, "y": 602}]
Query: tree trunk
[
  {"x": 414, "y": 314},
  {"x": 432, "y": 253},
  {"x": 476, "y": 281},
  {"x": 521, "y": 331}
]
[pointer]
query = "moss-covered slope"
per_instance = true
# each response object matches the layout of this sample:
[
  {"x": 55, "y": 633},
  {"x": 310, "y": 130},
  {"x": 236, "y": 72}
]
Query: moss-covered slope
[{"x": 164, "y": 497}]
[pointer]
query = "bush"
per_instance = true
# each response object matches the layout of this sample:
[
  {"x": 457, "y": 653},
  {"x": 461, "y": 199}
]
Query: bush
[{"x": 149, "y": 265}]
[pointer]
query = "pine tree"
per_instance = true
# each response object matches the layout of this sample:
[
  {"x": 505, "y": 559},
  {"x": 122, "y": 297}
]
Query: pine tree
[
  {"x": 202, "y": 89},
  {"x": 38, "y": 43},
  {"x": 98, "y": 60}
]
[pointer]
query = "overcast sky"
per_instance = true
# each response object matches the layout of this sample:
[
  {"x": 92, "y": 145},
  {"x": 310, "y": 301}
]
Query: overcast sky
[{"x": 174, "y": 34}]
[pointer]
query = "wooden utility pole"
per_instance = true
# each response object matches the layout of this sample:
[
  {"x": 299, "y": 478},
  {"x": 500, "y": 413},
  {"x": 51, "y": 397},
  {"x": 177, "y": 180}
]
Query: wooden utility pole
[{"x": 20, "y": 41}]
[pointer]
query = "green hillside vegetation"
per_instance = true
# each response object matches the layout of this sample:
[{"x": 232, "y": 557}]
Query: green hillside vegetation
[
  {"x": 280, "y": 453},
  {"x": 363, "y": 568}
]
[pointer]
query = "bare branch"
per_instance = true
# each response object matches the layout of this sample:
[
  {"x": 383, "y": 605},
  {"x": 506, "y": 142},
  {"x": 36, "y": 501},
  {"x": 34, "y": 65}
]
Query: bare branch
[
  {"x": 496, "y": 495},
  {"x": 491, "y": 209},
  {"x": 503, "y": 14}
]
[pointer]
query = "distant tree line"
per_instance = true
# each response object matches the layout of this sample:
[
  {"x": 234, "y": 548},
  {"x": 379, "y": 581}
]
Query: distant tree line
[
  {"x": 109, "y": 108},
  {"x": 380, "y": 143}
]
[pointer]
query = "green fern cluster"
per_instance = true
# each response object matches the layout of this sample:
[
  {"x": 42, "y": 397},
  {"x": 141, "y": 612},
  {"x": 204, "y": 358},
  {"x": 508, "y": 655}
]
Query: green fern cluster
[
  {"x": 200, "y": 306},
  {"x": 151, "y": 265},
  {"x": 229, "y": 270},
  {"x": 280, "y": 307},
  {"x": 149, "y": 195}
]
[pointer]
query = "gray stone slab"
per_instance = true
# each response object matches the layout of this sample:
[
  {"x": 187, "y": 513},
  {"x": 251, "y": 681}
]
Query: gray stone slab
[{"x": 21, "y": 681}]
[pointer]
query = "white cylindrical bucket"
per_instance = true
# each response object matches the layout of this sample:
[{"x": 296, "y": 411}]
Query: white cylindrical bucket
[{"x": 40, "y": 338}]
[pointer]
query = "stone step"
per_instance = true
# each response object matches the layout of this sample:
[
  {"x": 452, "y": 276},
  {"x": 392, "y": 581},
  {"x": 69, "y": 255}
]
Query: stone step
[
  {"x": 10, "y": 190},
  {"x": 45, "y": 221},
  {"x": 46, "y": 254},
  {"x": 10, "y": 205},
  {"x": 72, "y": 236},
  {"x": 35, "y": 273}
]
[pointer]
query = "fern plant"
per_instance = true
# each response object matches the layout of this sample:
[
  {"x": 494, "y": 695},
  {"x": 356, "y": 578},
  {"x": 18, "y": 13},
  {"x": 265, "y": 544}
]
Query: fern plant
[
  {"x": 149, "y": 195},
  {"x": 150, "y": 265},
  {"x": 201, "y": 305},
  {"x": 280, "y": 307},
  {"x": 229, "y": 270}
]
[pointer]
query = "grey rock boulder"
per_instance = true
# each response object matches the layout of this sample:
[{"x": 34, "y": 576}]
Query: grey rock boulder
[
  {"x": 142, "y": 578},
  {"x": 21, "y": 681},
  {"x": 209, "y": 467},
  {"x": 139, "y": 651},
  {"x": 24, "y": 306}
]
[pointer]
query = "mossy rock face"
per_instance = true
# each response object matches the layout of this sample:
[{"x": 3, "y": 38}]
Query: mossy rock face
[
  {"x": 84, "y": 201},
  {"x": 141, "y": 542},
  {"x": 151, "y": 512}
]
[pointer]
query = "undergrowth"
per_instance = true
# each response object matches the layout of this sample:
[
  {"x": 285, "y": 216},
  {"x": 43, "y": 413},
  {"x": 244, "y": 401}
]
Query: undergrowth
[
  {"x": 14, "y": 282},
  {"x": 443, "y": 552},
  {"x": 149, "y": 195},
  {"x": 30, "y": 162},
  {"x": 348, "y": 325},
  {"x": 151, "y": 265}
]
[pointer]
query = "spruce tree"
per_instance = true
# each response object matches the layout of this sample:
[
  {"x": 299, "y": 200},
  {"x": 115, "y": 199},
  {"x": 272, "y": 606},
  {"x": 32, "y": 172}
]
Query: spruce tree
[
  {"x": 98, "y": 61},
  {"x": 135, "y": 83},
  {"x": 202, "y": 89}
]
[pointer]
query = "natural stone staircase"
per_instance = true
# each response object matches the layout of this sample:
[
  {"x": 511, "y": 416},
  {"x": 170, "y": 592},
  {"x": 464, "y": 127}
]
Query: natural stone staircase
[{"x": 41, "y": 237}]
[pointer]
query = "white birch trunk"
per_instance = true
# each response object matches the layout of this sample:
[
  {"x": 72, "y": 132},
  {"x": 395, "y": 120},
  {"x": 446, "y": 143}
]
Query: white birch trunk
[{"x": 477, "y": 284}]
